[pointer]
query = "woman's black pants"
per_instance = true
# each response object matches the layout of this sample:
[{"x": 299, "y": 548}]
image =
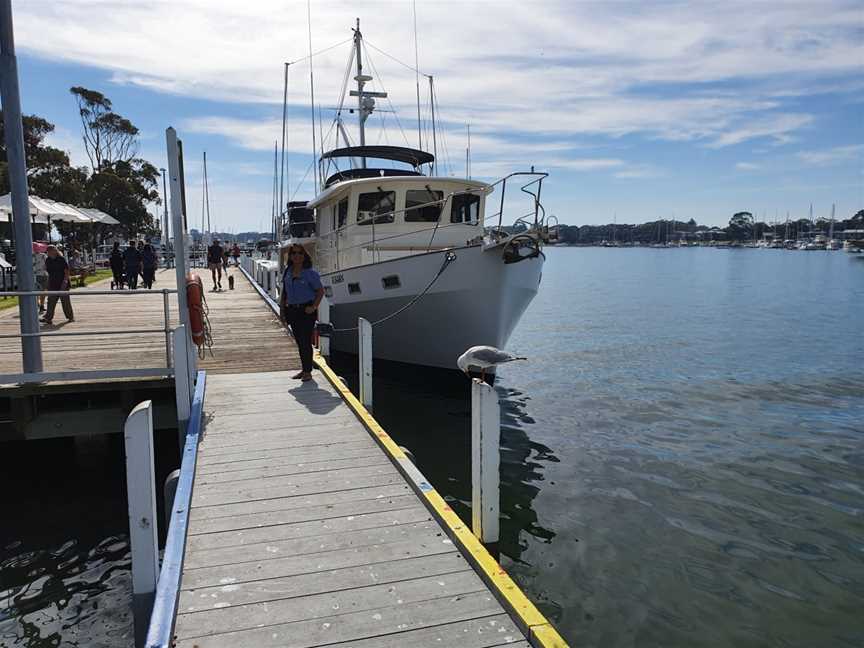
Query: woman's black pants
[{"x": 302, "y": 326}]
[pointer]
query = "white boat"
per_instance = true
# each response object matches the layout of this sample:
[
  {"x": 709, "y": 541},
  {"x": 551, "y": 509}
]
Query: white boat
[
  {"x": 853, "y": 247},
  {"x": 414, "y": 252}
]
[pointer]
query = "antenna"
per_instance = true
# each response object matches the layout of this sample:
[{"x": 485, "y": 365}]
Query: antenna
[
  {"x": 282, "y": 163},
  {"x": 434, "y": 137},
  {"x": 207, "y": 195},
  {"x": 417, "y": 78},
  {"x": 468, "y": 153},
  {"x": 365, "y": 100},
  {"x": 312, "y": 94},
  {"x": 275, "y": 177}
]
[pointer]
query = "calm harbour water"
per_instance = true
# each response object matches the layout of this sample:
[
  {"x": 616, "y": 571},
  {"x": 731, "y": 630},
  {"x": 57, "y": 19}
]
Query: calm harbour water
[{"x": 682, "y": 461}]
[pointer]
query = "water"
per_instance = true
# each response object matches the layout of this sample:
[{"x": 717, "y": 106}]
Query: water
[
  {"x": 682, "y": 461},
  {"x": 683, "y": 454},
  {"x": 65, "y": 564}
]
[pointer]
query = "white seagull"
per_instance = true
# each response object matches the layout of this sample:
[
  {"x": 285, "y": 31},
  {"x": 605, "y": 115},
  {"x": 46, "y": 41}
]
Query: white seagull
[{"x": 482, "y": 357}]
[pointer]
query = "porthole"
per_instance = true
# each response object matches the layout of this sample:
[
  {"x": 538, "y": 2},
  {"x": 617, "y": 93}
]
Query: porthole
[
  {"x": 391, "y": 281},
  {"x": 353, "y": 288}
]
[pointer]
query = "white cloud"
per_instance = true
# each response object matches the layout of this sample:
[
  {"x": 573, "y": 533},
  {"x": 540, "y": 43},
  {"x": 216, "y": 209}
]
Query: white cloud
[
  {"x": 748, "y": 166},
  {"x": 576, "y": 68},
  {"x": 831, "y": 156}
]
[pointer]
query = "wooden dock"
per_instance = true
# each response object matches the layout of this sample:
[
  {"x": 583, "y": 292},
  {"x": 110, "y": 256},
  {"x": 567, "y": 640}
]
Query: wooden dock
[
  {"x": 298, "y": 521},
  {"x": 303, "y": 533},
  {"x": 246, "y": 334}
]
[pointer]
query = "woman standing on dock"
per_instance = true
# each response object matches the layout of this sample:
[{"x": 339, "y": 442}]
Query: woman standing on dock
[{"x": 302, "y": 292}]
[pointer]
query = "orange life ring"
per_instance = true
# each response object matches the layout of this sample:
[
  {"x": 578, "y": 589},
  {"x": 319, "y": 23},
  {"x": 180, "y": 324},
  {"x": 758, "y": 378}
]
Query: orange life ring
[{"x": 194, "y": 298}]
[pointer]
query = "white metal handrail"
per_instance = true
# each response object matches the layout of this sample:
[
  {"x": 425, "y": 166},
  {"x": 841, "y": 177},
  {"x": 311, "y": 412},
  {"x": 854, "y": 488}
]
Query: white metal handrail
[{"x": 165, "y": 330}]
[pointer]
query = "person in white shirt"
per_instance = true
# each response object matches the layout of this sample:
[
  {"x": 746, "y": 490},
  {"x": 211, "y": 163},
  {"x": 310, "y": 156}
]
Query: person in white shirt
[{"x": 41, "y": 274}]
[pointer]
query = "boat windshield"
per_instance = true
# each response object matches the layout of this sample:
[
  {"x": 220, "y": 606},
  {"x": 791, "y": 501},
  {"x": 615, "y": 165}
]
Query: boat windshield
[
  {"x": 465, "y": 209},
  {"x": 377, "y": 206},
  {"x": 417, "y": 207}
]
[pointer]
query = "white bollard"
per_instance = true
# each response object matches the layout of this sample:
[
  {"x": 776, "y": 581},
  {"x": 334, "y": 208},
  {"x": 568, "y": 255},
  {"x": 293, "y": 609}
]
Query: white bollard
[
  {"x": 274, "y": 283},
  {"x": 485, "y": 461},
  {"x": 324, "y": 318},
  {"x": 364, "y": 344},
  {"x": 182, "y": 386},
  {"x": 141, "y": 493}
]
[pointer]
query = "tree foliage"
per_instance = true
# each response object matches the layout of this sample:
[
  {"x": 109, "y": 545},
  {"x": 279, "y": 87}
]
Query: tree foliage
[
  {"x": 107, "y": 136},
  {"x": 49, "y": 173},
  {"x": 118, "y": 183}
]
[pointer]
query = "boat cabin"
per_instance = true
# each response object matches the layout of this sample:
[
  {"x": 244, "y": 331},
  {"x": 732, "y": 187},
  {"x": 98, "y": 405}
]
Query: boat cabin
[{"x": 366, "y": 215}]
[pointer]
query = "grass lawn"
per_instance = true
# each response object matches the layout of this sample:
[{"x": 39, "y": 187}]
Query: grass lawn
[{"x": 99, "y": 275}]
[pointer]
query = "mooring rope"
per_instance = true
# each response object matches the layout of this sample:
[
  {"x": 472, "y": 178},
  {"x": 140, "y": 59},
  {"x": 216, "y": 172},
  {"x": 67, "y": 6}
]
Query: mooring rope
[{"x": 449, "y": 258}]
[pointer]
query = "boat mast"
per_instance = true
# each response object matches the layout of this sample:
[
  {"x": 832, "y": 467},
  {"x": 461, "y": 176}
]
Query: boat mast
[
  {"x": 434, "y": 137},
  {"x": 365, "y": 100}
]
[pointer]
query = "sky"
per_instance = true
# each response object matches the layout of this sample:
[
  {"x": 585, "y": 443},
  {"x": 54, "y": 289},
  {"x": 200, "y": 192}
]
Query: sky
[{"x": 638, "y": 111}]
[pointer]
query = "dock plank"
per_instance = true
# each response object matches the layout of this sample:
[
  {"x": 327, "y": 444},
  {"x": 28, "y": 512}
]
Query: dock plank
[
  {"x": 246, "y": 335},
  {"x": 303, "y": 533}
]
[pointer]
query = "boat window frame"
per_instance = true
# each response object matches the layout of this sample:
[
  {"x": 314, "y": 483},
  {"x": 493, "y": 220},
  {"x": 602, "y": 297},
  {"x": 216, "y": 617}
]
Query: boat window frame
[
  {"x": 386, "y": 217},
  {"x": 341, "y": 215},
  {"x": 431, "y": 195},
  {"x": 460, "y": 200}
]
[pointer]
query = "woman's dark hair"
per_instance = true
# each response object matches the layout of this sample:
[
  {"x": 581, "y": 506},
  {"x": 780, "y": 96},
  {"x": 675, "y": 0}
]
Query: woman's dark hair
[{"x": 307, "y": 260}]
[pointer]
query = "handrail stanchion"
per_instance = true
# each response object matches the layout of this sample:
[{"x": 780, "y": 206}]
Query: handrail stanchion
[
  {"x": 274, "y": 284},
  {"x": 485, "y": 462},
  {"x": 166, "y": 313},
  {"x": 182, "y": 385},
  {"x": 31, "y": 347},
  {"x": 364, "y": 343},
  {"x": 141, "y": 493}
]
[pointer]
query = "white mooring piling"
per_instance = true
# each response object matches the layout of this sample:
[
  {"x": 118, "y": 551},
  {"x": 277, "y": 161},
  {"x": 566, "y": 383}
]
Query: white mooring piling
[
  {"x": 182, "y": 384},
  {"x": 141, "y": 493},
  {"x": 364, "y": 344},
  {"x": 485, "y": 461}
]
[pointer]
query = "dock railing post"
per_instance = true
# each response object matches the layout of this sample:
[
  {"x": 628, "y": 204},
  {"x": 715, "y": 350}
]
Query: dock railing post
[
  {"x": 364, "y": 344},
  {"x": 141, "y": 493},
  {"x": 182, "y": 384},
  {"x": 274, "y": 284},
  {"x": 28, "y": 315},
  {"x": 485, "y": 462},
  {"x": 324, "y": 318}
]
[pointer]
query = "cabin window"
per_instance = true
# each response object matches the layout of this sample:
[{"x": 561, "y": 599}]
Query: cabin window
[
  {"x": 342, "y": 212},
  {"x": 378, "y": 206},
  {"x": 391, "y": 281},
  {"x": 353, "y": 288},
  {"x": 328, "y": 291},
  {"x": 414, "y": 213},
  {"x": 465, "y": 209}
]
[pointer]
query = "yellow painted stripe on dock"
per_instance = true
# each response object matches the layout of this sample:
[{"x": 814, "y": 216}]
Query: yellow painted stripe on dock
[{"x": 541, "y": 633}]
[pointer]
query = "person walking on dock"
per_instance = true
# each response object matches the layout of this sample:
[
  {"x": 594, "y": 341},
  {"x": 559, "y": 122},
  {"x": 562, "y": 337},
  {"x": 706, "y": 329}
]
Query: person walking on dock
[
  {"x": 40, "y": 272},
  {"x": 132, "y": 264},
  {"x": 58, "y": 279},
  {"x": 214, "y": 262},
  {"x": 302, "y": 292},
  {"x": 149, "y": 261},
  {"x": 235, "y": 252},
  {"x": 115, "y": 260}
]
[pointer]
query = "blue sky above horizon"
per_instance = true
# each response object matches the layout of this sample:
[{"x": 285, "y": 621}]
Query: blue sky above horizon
[{"x": 638, "y": 111}]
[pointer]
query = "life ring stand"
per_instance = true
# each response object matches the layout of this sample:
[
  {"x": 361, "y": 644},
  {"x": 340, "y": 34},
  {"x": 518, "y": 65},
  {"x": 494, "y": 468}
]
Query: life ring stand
[{"x": 199, "y": 323}]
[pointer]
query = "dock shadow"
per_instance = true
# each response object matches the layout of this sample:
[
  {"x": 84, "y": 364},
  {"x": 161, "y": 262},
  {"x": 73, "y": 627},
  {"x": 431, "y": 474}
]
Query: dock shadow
[{"x": 315, "y": 399}]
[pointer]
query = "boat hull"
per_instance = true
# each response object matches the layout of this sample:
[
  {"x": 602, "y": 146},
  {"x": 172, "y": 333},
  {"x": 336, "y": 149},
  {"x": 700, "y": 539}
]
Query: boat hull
[{"x": 477, "y": 299}]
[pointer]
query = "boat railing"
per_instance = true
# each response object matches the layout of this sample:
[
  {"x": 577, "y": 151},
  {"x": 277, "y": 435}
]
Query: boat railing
[{"x": 95, "y": 374}]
